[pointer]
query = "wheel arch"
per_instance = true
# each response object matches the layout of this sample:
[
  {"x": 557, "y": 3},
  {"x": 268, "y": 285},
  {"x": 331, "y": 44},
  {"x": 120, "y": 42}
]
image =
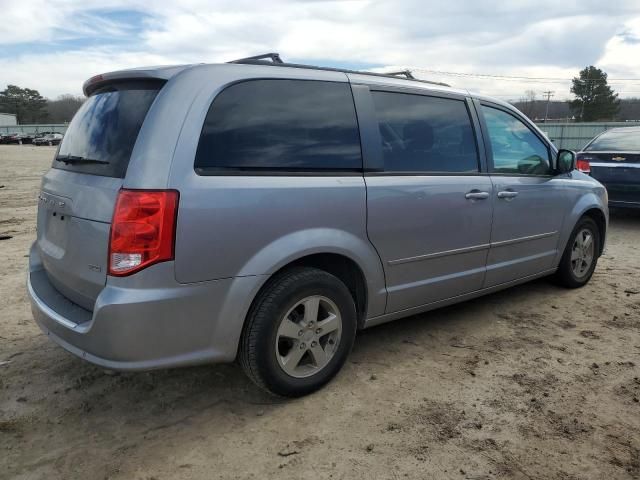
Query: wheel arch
[
  {"x": 588, "y": 205},
  {"x": 344, "y": 268},
  {"x": 339, "y": 252},
  {"x": 328, "y": 249},
  {"x": 599, "y": 217}
]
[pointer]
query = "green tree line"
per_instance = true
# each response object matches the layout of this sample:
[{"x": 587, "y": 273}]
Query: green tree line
[{"x": 31, "y": 107}]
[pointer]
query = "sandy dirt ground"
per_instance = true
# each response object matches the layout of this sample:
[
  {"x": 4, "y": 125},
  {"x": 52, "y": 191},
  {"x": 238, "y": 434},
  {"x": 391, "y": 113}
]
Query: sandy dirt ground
[{"x": 533, "y": 382}]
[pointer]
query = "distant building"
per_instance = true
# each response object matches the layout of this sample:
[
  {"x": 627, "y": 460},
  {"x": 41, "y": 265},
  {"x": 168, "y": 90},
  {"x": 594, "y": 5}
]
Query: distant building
[{"x": 8, "y": 120}]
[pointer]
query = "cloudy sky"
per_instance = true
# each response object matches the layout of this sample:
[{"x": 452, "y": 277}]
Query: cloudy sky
[{"x": 54, "y": 45}]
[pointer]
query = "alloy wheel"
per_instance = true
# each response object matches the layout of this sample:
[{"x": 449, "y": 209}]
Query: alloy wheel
[
  {"x": 582, "y": 253},
  {"x": 308, "y": 336}
]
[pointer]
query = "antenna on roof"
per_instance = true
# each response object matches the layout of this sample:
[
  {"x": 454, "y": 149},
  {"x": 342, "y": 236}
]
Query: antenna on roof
[
  {"x": 406, "y": 73},
  {"x": 274, "y": 57}
]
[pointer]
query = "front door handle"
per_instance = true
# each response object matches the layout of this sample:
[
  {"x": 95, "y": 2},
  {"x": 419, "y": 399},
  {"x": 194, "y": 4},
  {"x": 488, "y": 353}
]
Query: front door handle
[
  {"x": 508, "y": 194},
  {"x": 476, "y": 195}
]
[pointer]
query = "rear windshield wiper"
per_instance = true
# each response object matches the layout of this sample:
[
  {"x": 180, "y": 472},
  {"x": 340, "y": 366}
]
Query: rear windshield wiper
[{"x": 74, "y": 159}]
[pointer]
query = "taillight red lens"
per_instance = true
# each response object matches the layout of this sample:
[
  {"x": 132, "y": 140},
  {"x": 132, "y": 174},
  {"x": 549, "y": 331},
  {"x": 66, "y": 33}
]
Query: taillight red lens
[
  {"x": 143, "y": 230},
  {"x": 583, "y": 165}
]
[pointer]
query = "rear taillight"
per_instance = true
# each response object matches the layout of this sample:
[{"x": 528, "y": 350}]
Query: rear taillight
[
  {"x": 143, "y": 230},
  {"x": 583, "y": 165}
]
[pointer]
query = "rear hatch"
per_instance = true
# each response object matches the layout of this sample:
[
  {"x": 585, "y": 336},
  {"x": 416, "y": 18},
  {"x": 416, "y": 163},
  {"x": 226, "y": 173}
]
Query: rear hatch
[{"x": 78, "y": 194}]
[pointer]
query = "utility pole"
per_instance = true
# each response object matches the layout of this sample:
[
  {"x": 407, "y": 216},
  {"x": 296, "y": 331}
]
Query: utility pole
[{"x": 547, "y": 94}]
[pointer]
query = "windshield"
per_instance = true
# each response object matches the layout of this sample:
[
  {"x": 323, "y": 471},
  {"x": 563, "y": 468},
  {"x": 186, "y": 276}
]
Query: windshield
[
  {"x": 105, "y": 129},
  {"x": 616, "y": 141}
]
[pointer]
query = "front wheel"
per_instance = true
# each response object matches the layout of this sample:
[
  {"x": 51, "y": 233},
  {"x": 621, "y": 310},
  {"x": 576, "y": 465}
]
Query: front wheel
[
  {"x": 299, "y": 332},
  {"x": 580, "y": 255}
]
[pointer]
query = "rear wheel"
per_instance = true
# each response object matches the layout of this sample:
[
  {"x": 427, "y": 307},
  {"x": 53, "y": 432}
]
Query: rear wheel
[
  {"x": 299, "y": 332},
  {"x": 580, "y": 255}
]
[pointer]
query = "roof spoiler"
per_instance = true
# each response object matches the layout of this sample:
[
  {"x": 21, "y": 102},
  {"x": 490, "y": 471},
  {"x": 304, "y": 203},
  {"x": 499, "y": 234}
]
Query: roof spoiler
[{"x": 147, "y": 73}]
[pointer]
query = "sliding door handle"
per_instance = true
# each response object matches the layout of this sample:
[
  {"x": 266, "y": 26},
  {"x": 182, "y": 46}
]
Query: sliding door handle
[
  {"x": 508, "y": 194},
  {"x": 476, "y": 195}
]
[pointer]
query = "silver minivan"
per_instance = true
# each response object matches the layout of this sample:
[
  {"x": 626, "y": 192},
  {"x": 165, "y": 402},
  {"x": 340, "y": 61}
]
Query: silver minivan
[{"x": 265, "y": 212}]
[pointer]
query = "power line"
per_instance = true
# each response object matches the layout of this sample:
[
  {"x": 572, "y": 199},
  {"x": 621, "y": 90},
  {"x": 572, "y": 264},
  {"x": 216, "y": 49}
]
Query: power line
[
  {"x": 516, "y": 94},
  {"x": 511, "y": 76},
  {"x": 519, "y": 78}
]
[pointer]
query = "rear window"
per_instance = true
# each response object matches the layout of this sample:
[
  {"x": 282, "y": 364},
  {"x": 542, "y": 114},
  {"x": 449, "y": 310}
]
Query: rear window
[
  {"x": 286, "y": 125},
  {"x": 616, "y": 141},
  {"x": 102, "y": 134}
]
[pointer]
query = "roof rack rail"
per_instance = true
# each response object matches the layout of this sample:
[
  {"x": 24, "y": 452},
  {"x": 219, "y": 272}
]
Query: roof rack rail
[
  {"x": 275, "y": 58},
  {"x": 276, "y": 61},
  {"x": 407, "y": 73}
]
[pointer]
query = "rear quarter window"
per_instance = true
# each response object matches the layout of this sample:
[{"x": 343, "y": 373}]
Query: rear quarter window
[
  {"x": 103, "y": 132},
  {"x": 280, "y": 125}
]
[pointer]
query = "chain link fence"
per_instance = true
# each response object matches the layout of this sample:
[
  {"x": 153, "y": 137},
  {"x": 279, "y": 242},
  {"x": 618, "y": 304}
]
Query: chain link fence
[
  {"x": 574, "y": 136},
  {"x": 33, "y": 129}
]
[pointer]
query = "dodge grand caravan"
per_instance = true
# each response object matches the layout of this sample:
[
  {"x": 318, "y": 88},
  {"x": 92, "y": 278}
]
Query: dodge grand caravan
[{"x": 265, "y": 212}]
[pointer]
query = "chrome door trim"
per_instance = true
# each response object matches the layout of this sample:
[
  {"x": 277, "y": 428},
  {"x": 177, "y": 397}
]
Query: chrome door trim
[
  {"x": 474, "y": 248},
  {"x": 615, "y": 165},
  {"x": 523, "y": 239},
  {"x": 444, "y": 253}
]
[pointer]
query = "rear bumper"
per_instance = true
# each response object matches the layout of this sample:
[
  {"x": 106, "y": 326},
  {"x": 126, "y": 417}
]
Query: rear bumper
[
  {"x": 157, "y": 325},
  {"x": 622, "y": 184}
]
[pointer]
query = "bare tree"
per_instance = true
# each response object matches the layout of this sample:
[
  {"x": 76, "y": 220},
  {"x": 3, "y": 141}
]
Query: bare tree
[
  {"x": 63, "y": 108},
  {"x": 527, "y": 104},
  {"x": 629, "y": 109}
]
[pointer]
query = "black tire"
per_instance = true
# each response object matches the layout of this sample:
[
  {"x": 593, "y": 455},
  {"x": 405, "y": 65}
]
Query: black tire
[
  {"x": 257, "y": 353},
  {"x": 565, "y": 274}
]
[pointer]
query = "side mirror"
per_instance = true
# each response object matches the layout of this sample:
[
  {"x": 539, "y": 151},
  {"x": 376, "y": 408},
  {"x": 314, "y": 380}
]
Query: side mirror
[{"x": 566, "y": 161}]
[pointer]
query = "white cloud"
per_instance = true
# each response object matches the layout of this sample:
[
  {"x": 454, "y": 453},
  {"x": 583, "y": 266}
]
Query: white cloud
[
  {"x": 58, "y": 73},
  {"x": 622, "y": 52},
  {"x": 541, "y": 38}
]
